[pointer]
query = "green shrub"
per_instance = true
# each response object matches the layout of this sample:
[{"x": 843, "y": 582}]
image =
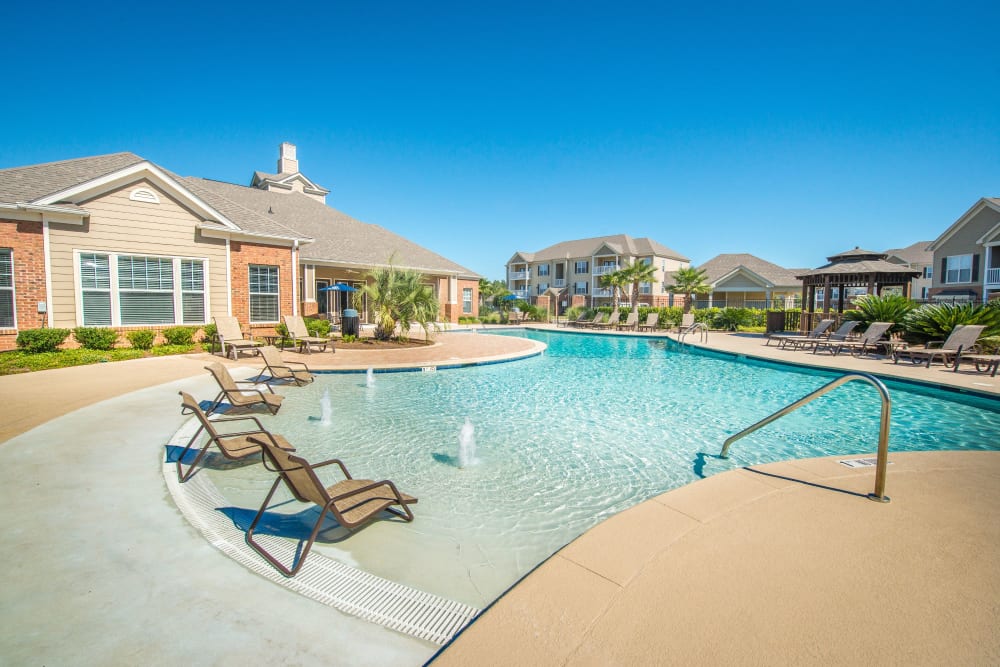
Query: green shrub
[
  {"x": 96, "y": 338},
  {"x": 731, "y": 319},
  {"x": 468, "y": 319},
  {"x": 349, "y": 338},
  {"x": 208, "y": 332},
  {"x": 317, "y": 327},
  {"x": 935, "y": 321},
  {"x": 179, "y": 335},
  {"x": 990, "y": 344},
  {"x": 888, "y": 308},
  {"x": 141, "y": 339},
  {"x": 491, "y": 318},
  {"x": 281, "y": 329},
  {"x": 41, "y": 340}
]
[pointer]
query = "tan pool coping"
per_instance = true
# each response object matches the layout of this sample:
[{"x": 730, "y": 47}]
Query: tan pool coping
[{"x": 779, "y": 564}]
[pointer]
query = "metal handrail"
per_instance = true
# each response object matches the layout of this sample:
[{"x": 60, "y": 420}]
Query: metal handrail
[
  {"x": 697, "y": 326},
  {"x": 883, "y": 430}
]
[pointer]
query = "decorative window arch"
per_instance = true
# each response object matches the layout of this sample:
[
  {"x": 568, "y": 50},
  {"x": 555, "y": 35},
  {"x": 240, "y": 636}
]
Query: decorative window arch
[{"x": 144, "y": 194}]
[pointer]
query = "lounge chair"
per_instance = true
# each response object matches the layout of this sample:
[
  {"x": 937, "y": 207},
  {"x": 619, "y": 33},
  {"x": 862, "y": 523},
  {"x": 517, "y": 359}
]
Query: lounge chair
[
  {"x": 687, "y": 321},
  {"x": 299, "y": 334},
  {"x": 234, "y": 446},
  {"x": 817, "y": 332},
  {"x": 241, "y": 398},
  {"x": 962, "y": 338},
  {"x": 279, "y": 370},
  {"x": 651, "y": 321},
  {"x": 803, "y": 342},
  {"x": 612, "y": 322},
  {"x": 231, "y": 336},
  {"x": 574, "y": 323},
  {"x": 631, "y": 322},
  {"x": 983, "y": 362},
  {"x": 352, "y": 502},
  {"x": 868, "y": 343},
  {"x": 598, "y": 318}
]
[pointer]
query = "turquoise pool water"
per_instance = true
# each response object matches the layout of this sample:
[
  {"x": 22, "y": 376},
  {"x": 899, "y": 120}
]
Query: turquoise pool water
[{"x": 595, "y": 425}]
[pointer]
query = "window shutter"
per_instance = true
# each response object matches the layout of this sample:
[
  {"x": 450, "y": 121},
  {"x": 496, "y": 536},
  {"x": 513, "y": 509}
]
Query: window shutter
[
  {"x": 944, "y": 270},
  {"x": 975, "y": 268}
]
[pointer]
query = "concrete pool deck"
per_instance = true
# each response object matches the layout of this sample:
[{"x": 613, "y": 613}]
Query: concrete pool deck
[{"x": 783, "y": 563}]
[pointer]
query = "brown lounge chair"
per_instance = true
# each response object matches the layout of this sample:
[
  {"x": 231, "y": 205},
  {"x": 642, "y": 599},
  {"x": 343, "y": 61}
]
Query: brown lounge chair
[
  {"x": 231, "y": 336},
  {"x": 842, "y": 332},
  {"x": 631, "y": 322},
  {"x": 868, "y": 343},
  {"x": 962, "y": 338},
  {"x": 612, "y": 322},
  {"x": 299, "y": 334},
  {"x": 234, "y": 446},
  {"x": 241, "y": 398},
  {"x": 983, "y": 362},
  {"x": 816, "y": 333},
  {"x": 598, "y": 318},
  {"x": 279, "y": 370},
  {"x": 574, "y": 323},
  {"x": 651, "y": 321},
  {"x": 687, "y": 321},
  {"x": 352, "y": 502}
]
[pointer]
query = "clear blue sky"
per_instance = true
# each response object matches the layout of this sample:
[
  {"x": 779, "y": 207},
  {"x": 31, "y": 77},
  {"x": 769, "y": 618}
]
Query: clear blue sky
[{"x": 790, "y": 130}]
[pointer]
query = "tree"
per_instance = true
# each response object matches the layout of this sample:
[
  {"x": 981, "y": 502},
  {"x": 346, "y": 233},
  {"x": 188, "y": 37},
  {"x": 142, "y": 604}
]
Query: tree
[
  {"x": 637, "y": 273},
  {"x": 615, "y": 281},
  {"x": 689, "y": 281},
  {"x": 489, "y": 291},
  {"x": 400, "y": 297}
]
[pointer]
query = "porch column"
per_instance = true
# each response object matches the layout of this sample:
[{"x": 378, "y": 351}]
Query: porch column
[
  {"x": 309, "y": 283},
  {"x": 826, "y": 294}
]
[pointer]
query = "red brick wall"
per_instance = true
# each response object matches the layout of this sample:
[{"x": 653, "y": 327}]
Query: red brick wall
[
  {"x": 242, "y": 255},
  {"x": 25, "y": 239}
]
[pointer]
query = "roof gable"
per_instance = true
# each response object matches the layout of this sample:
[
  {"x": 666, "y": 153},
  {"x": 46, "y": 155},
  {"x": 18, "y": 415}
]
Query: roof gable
[{"x": 985, "y": 202}]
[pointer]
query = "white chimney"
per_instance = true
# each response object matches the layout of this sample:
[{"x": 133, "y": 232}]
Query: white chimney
[{"x": 287, "y": 164}]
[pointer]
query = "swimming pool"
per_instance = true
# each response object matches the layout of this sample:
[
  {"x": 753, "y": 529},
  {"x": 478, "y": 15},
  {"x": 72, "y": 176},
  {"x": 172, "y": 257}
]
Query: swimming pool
[{"x": 564, "y": 440}]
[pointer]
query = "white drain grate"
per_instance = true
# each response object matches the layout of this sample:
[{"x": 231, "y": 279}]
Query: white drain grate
[
  {"x": 323, "y": 579},
  {"x": 869, "y": 462}
]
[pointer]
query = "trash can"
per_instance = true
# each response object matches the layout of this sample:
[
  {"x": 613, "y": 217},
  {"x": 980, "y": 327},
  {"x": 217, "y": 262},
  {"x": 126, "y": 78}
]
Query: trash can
[
  {"x": 775, "y": 321},
  {"x": 350, "y": 322}
]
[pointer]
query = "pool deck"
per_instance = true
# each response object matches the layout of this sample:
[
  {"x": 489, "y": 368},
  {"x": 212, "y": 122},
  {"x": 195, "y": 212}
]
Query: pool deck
[{"x": 782, "y": 563}]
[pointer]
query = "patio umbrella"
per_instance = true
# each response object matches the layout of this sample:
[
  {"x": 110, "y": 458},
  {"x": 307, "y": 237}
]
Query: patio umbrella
[
  {"x": 339, "y": 287},
  {"x": 511, "y": 297}
]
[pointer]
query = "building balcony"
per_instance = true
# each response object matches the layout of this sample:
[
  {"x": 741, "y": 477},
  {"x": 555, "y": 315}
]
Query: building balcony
[
  {"x": 602, "y": 293},
  {"x": 559, "y": 282},
  {"x": 520, "y": 275},
  {"x": 604, "y": 270},
  {"x": 520, "y": 293},
  {"x": 992, "y": 277}
]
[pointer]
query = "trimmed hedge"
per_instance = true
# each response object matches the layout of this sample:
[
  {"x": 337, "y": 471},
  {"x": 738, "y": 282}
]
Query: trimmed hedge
[
  {"x": 96, "y": 338},
  {"x": 41, "y": 340},
  {"x": 141, "y": 339},
  {"x": 179, "y": 335}
]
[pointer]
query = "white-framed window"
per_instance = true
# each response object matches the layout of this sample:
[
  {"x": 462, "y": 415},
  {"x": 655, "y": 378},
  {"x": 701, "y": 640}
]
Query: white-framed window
[
  {"x": 7, "y": 319},
  {"x": 582, "y": 266},
  {"x": 543, "y": 269},
  {"x": 645, "y": 288},
  {"x": 928, "y": 272},
  {"x": 580, "y": 288},
  {"x": 263, "y": 293},
  {"x": 130, "y": 290},
  {"x": 466, "y": 299},
  {"x": 958, "y": 269},
  {"x": 542, "y": 287}
]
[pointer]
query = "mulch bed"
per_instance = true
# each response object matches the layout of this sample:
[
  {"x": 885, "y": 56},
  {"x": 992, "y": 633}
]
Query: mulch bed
[{"x": 372, "y": 344}]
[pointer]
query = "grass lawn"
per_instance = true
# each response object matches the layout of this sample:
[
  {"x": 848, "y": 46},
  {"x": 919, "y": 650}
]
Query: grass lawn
[{"x": 17, "y": 361}]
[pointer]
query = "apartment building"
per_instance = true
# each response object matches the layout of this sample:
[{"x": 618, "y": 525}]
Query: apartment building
[
  {"x": 967, "y": 256},
  {"x": 570, "y": 272}
]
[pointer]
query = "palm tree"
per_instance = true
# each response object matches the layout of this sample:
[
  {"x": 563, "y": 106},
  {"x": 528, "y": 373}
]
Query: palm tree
[
  {"x": 489, "y": 291},
  {"x": 688, "y": 281},
  {"x": 636, "y": 273},
  {"x": 400, "y": 297},
  {"x": 615, "y": 281}
]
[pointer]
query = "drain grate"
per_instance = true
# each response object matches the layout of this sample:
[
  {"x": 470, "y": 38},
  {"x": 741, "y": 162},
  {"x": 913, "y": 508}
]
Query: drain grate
[
  {"x": 345, "y": 588},
  {"x": 868, "y": 462}
]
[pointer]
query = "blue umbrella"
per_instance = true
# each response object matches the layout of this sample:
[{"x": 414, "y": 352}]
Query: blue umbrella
[
  {"x": 339, "y": 287},
  {"x": 511, "y": 297}
]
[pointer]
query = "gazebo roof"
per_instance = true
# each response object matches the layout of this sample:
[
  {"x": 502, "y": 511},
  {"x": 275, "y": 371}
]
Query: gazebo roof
[{"x": 851, "y": 265}]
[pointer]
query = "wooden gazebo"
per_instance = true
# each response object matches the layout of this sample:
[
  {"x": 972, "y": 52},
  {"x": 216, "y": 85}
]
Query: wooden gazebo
[{"x": 854, "y": 268}]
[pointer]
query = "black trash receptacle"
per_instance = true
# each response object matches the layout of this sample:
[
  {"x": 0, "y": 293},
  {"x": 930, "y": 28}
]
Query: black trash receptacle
[
  {"x": 350, "y": 322},
  {"x": 775, "y": 321}
]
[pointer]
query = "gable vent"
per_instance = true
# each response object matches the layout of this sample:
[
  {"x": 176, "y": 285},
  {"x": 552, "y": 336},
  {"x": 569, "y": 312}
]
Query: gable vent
[{"x": 144, "y": 194}]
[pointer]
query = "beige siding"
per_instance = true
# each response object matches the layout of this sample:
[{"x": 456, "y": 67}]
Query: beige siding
[
  {"x": 120, "y": 225},
  {"x": 963, "y": 242}
]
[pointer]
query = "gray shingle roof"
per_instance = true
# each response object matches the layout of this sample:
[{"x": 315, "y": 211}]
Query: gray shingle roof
[
  {"x": 26, "y": 184},
  {"x": 339, "y": 238},
  {"x": 916, "y": 254},
  {"x": 724, "y": 264},
  {"x": 245, "y": 218},
  {"x": 620, "y": 243}
]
